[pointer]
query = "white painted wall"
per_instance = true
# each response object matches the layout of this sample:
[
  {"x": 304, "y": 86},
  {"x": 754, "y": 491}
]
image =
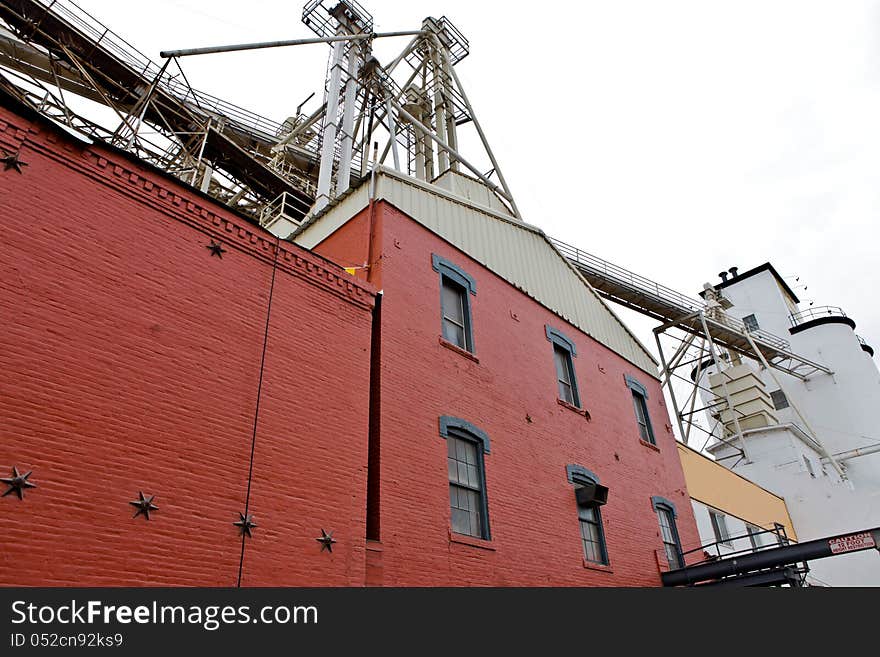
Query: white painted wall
[{"x": 819, "y": 506}]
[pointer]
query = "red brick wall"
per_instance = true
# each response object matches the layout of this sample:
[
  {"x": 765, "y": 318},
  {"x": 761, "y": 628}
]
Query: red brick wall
[
  {"x": 532, "y": 510},
  {"x": 130, "y": 361}
]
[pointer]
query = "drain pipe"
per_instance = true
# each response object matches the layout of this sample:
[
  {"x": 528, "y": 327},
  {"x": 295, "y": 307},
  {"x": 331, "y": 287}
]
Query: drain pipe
[{"x": 855, "y": 453}]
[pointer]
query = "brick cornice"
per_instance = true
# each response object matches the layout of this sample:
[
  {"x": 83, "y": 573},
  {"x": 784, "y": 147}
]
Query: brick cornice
[
  {"x": 165, "y": 194},
  {"x": 137, "y": 180}
]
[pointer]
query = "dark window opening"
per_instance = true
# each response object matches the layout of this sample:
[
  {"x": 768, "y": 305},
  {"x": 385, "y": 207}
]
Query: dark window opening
[
  {"x": 456, "y": 314},
  {"x": 755, "y": 536},
  {"x": 592, "y": 534},
  {"x": 590, "y": 495},
  {"x": 565, "y": 375},
  {"x": 719, "y": 526},
  {"x": 669, "y": 534},
  {"x": 779, "y": 399},
  {"x": 646, "y": 433},
  {"x": 751, "y": 323}
]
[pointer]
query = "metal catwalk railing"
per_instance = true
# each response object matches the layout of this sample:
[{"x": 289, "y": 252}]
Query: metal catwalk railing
[
  {"x": 91, "y": 28},
  {"x": 617, "y": 283}
]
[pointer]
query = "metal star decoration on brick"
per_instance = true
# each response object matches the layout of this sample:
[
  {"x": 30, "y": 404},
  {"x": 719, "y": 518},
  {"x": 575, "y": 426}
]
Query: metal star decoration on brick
[
  {"x": 216, "y": 249},
  {"x": 326, "y": 540},
  {"x": 246, "y": 523},
  {"x": 144, "y": 505},
  {"x": 13, "y": 161},
  {"x": 17, "y": 483}
]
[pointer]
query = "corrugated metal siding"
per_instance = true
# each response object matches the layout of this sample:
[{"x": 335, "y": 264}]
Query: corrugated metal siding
[
  {"x": 523, "y": 256},
  {"x": 519, "y": 253}
]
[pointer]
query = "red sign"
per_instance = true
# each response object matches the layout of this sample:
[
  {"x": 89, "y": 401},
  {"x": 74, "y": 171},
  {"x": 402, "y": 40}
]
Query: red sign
[{"x": 851, "y": 543}]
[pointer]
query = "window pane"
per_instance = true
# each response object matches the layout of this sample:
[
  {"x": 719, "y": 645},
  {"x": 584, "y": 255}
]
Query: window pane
[
  {"x": 641, "y": 409},
  {"x": 754, "y": 536},
  {"x": 461, "y": 450},
  {"x": 780, "y": 401},
  {"x": 465, "y": 487},
  {"x": 561, "y": 357},
  {"x": 454, "y": 309},
  {"x": 453, "y": 333},
  {"x": 565, "y": 393},
  {"x": 638, "y": 404},
  {"x": 470, "y": 452},
  {"x": 591, "y": 535},
  {"x": 462, "y": 473},
  {"x": 452, "y": 302},
  {"x": 670, "y": 543},
  {"x": 461, "y": 521},
  {"x": 719, "y": 527},
  {"x": 473, "y": 478}
]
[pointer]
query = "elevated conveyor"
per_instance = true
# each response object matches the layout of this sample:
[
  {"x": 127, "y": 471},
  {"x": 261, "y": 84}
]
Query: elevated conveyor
[
  {"x": 59, "y": 43},
  {"x": 678, "y": 310}
]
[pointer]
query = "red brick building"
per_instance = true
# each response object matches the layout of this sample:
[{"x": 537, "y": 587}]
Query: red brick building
[{"x": 485, "y": 420}]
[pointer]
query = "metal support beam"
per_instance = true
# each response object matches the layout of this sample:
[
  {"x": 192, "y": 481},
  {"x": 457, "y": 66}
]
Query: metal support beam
[
  {"x": 474, "y": 170},
  {"x": 186, "y": 52},
  {"x": 668, "y": 383}
]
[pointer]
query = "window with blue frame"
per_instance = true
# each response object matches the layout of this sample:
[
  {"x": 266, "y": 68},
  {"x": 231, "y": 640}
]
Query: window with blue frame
[
  {"x": 640, "y": 406},
  {"x": 669, "y": 531},
  {"x": 564, "y": 352},
  {"x": 465, "y": 450},
  {"x": 456, "y": 289},
  {"x": 590, "y": 496}
]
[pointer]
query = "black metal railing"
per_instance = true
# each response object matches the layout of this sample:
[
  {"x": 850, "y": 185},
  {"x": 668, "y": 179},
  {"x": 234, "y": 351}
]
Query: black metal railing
[
  {"x": 712, "y": 551},
  {"x": 815, "y": 313}
]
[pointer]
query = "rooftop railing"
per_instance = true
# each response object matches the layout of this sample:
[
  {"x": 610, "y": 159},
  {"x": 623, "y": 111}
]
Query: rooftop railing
[{"x": 817, "y": 312}]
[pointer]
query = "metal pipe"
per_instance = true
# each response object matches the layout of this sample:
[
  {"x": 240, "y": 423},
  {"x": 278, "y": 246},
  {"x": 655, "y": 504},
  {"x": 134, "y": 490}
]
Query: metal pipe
[
  {"x": 507, "y": 193},
  {"x": 669, "y": 384},
  {"x": 451, "y": 128},
  {"x": 445, "y": 147},
  {"x": 305, "y": 125},
  {"x": 693, "y": 401},
  {"x": 279, "y": 44},
  {"x": 855, "y": 453},
  {"x": 392, "y": 130},
  {"x": 439, "y": 106},
  {"x": 343, "y": 175},
  {"x": 328, "y": 141}
]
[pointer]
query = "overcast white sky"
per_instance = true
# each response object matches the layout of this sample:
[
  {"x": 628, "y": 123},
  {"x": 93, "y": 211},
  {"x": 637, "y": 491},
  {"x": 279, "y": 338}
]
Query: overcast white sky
[{"x": 673, "y": 138}]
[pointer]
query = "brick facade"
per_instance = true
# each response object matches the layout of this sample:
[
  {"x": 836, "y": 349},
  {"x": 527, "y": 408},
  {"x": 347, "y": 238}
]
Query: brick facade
[
  {"x": 131, "y": 361},
  {"x": 510, "y": 392}
]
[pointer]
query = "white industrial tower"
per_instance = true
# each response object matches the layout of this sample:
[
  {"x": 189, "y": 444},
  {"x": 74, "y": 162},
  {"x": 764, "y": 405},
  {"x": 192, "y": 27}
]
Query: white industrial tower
[{"x": 814, "y": 440}]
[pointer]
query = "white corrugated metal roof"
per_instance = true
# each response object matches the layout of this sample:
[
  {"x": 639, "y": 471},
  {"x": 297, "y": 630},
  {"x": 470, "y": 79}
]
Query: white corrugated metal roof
[{"x": 519, "y": 253}]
